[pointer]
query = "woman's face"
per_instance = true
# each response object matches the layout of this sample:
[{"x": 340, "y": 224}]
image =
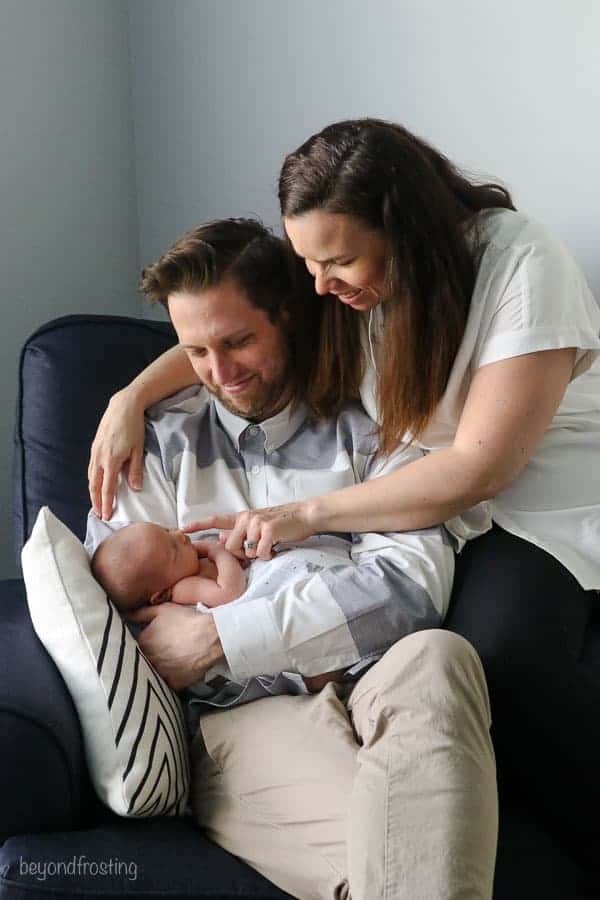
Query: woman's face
[{"x": 345, "y": 256}]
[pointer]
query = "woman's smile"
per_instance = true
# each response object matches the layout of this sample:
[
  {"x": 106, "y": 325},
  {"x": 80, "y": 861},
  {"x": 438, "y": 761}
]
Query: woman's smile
[{"x": 346, "y": 296}]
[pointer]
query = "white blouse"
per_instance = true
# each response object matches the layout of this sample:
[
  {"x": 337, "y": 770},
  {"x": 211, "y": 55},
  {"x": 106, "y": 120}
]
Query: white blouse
[{"x": 529, "y": 295}]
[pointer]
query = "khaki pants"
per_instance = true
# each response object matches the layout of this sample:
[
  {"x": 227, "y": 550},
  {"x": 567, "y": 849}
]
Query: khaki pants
[{"x": 386, "y": 791}]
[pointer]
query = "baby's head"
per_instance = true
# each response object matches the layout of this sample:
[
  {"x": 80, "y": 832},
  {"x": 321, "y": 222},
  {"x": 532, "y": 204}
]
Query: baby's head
[{"x": 140, "y": 562}]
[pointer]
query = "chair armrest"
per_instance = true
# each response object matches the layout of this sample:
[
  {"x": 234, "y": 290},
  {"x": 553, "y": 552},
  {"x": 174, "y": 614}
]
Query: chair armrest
[{"x": 44, "y": 783}]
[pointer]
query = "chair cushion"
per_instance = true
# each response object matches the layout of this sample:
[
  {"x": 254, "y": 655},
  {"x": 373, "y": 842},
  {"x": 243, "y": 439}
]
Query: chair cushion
[
  {"x": 132, "y": 722},
  {"x": 150, "y": 859},
  {"x": 171, "y": 858}
]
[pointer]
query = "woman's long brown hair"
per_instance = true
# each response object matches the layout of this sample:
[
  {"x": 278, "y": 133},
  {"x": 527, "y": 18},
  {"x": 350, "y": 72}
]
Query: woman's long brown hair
[{"x": 396, "y": 183}]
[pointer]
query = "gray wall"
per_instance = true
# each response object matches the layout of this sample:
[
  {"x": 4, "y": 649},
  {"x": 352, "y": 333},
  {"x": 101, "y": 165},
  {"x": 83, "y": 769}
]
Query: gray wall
[
  {"x": 68, "y": 221},
  {"x": 509, "y": 89},
  {"x": 220, "y": 90}
]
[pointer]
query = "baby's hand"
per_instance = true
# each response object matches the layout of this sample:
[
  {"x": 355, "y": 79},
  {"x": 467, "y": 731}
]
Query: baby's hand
[
  {"x": 207, "y": 548},
  {"x": 164, "y": 596}
]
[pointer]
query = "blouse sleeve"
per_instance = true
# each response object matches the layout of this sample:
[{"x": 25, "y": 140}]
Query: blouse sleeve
[{"x": 537, "y": 298}]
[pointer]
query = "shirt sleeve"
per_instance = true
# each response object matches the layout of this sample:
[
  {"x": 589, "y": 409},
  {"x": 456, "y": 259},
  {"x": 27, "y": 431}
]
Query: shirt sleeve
[
  {"x": 156, "y": 502},
  {"x": 538, "y": 299},
  {"x": 393, "y": 584}
]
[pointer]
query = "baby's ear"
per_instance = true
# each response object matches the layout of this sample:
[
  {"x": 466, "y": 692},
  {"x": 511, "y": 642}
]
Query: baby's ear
[{"x": 163, "y": 596}]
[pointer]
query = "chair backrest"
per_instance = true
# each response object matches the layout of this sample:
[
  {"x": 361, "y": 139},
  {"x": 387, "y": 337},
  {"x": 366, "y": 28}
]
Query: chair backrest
[{"x": 68, "y": 370}]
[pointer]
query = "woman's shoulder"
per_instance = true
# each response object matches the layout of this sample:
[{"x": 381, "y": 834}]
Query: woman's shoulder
[
  {"x": 530, "y": 294},
  {"x": 508, "y": 231},
  {"x": 517, "y": 256}
]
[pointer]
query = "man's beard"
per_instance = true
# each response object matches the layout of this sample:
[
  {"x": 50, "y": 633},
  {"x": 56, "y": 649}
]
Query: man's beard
[{"x": 265, "y": 400}]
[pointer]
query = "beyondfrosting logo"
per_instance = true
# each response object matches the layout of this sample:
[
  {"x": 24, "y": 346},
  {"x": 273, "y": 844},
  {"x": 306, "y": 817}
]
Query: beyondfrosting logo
[{"x": 79, "y": 866}]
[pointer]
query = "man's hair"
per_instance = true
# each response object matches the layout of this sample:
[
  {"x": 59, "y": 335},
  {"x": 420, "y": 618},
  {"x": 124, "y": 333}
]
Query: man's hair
[{"x": 263, "y": 265}]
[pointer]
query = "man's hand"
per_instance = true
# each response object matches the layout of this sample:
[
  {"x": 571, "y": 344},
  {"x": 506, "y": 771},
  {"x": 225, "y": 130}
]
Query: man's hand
[{"x": 181, "y": 643}]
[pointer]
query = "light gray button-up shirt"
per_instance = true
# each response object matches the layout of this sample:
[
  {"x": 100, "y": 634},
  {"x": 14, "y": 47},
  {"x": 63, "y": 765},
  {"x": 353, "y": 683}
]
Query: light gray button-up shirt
[{"x": 332, "y": 602}]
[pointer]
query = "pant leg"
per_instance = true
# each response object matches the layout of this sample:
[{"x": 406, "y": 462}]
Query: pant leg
[
  {"x": 527, "y": 616},
  {"x": 282, "y": 782},
  {"x": 271, "y": 782},
  {"x": 423, "y": 816}
]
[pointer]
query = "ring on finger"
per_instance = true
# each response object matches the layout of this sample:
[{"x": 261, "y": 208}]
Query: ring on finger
[{"x": 250, "y": 545}]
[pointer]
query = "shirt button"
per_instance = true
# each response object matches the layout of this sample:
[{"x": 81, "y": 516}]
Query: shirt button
[
  {"x": 255, "y": 470},
  {"x": 253, "y": 429}
]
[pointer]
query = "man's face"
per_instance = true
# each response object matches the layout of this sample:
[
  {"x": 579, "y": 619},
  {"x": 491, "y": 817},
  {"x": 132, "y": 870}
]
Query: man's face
[{"x": 234, "y": 348}]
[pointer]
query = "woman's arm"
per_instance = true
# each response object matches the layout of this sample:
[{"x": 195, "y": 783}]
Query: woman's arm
[
  {"x": 119, "y": 440},
  {"x": 509, "y": 406}
]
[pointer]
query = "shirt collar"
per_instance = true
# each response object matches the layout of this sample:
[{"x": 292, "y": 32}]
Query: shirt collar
[{"x": 277, "y": 430}]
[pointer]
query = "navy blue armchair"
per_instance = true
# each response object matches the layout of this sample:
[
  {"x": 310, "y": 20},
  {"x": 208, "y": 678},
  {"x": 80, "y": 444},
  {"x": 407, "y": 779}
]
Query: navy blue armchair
[{"x": 57, "y": 839}]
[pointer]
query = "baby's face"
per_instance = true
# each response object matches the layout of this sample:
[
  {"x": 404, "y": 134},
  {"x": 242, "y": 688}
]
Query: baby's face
[{"x": 168, "y": 555}]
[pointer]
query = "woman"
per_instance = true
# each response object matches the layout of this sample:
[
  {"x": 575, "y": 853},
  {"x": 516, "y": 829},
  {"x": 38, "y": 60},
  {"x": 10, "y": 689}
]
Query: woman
[{"x": 479, "y": 342}]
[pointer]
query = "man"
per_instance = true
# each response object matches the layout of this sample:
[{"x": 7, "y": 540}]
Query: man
[{"x": 383, "y": 782}]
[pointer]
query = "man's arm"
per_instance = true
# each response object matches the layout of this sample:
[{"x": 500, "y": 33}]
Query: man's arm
[
  {"x": 394, "y": 583},
  {"x": 333, "y": 619}
]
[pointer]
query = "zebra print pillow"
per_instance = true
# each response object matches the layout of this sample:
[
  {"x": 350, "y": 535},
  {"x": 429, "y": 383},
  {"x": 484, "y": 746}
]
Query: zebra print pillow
[{"x": 132, "y": 722}]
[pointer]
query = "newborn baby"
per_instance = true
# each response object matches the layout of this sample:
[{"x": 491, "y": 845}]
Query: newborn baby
[{"x": 146, "y": 563}]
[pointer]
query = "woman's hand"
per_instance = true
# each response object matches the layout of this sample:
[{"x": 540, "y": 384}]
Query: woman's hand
[
  {"x": 118, "y": 444},
  {"x": 204, "y": 549},
  {"x": 256, "y": 531}
]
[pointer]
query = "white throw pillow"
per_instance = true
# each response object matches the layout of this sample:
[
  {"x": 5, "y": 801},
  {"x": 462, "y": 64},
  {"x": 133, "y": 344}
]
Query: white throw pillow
[{"x": 132, "y": 722}]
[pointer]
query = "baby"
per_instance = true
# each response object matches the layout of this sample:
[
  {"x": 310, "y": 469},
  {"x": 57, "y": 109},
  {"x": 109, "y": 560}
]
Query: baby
[{"x": 146, "y": 563}]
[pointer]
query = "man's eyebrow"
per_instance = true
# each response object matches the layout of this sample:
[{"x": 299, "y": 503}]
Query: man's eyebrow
[{"x": 232, "y": 335}]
